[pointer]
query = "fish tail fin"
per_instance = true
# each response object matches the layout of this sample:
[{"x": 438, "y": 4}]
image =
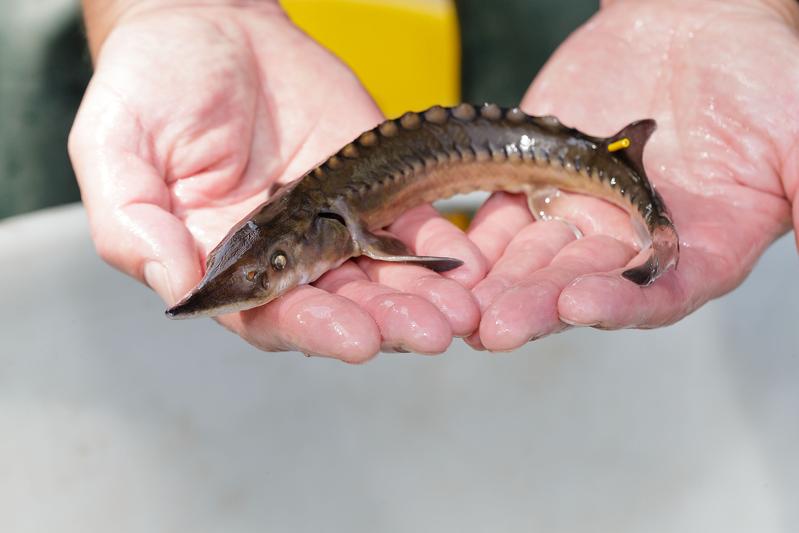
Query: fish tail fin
[
  {"x": 628, "y": 146},
  {"x": 664, "y": 254}
]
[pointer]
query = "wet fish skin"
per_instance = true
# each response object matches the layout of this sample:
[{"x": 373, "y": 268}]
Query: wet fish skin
[{"x": 332, "y": 213}]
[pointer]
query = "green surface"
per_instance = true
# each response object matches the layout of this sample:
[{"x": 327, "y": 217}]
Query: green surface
[
  {"x": 44, "y": 68},
  {"x": 506, "y": 42}
]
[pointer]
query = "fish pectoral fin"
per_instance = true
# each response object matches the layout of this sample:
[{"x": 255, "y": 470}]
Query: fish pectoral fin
[
  {"x": 387, "y": 248},
  {"x": 628, "y": 144}
]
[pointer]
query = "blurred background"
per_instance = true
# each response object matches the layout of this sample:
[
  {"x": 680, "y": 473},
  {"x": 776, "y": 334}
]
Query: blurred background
[
  {"x": 45, "y": 66},
  {"x": 115, "y": 419}
]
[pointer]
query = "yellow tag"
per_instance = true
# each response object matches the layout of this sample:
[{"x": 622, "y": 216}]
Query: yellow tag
[{"x": 621, "y": 144}]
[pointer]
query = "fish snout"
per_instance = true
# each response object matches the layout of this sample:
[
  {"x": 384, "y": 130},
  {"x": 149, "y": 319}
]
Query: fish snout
[
  {"x": 190, "y": 306},
  {"x": 210, "y": 298}
]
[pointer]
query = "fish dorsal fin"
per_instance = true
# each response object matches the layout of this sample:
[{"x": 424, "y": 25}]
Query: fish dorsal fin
[{"x": 628, "y": 145}]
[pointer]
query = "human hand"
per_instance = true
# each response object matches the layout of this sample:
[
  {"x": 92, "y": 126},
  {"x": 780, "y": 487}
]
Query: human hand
[
  {"x": 192, "y": 114},
  {"x": 722, "y": 80}
]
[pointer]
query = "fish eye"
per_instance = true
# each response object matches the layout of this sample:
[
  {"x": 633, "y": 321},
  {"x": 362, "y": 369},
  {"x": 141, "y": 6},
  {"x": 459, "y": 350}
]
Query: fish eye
[{"x": 279, "y": 261}]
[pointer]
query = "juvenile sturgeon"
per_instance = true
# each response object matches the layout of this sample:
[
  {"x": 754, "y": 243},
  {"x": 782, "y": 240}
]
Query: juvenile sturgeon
[{"x": 330, "y": 215}]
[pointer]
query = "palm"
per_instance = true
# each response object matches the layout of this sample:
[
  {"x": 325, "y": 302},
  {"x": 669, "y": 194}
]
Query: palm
[
  {"x": 720, "y": 96},
  {"x": 243, "y": 128},
  {"x": 207, "y": 132}
]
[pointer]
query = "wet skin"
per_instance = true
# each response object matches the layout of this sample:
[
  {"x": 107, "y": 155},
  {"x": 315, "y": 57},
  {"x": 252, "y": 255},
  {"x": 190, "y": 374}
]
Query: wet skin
[{"x": 165, "y": 169}]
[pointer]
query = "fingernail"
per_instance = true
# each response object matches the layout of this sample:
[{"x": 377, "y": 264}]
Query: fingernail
[
  {"x": 578, "y": 324},
  {"x": 474, "y": 342},
  {"x": 503, "y": 351},
  {"x": 155, "y": 276},
  {"x": 391, "y": 347},
  {"x": 395, "y": 350}
]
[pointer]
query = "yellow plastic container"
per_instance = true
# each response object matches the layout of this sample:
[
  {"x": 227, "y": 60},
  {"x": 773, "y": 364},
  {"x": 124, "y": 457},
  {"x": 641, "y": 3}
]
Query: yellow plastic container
[{"x": 405, "y": 52}]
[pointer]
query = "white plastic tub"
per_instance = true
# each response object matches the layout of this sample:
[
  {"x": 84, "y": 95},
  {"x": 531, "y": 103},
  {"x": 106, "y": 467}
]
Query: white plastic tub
[{"x": 116, "y": 419}]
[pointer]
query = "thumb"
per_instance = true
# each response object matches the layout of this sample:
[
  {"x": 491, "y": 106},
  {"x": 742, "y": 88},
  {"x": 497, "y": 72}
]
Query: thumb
[{"x": 126, "y": 198}]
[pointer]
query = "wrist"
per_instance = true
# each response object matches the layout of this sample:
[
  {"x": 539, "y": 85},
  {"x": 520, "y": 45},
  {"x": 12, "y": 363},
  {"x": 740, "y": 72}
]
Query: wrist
[{"x": 101, "y": 16}]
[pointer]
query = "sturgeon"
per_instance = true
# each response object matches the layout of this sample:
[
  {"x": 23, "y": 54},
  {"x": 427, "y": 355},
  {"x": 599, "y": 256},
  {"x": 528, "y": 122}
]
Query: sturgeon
[{"x": 335, "y": 211}]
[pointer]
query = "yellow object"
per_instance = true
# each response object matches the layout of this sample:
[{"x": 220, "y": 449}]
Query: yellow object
[
  {"x": 405, "y": 52},
  {"x": 621, "y": 144},
  {"x": 462, "y": 219}
]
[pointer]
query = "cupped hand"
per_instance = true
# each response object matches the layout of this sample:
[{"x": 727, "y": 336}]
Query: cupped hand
[
  {"x": 722, "y": 80},
  {"x": 192, "y": 115}
]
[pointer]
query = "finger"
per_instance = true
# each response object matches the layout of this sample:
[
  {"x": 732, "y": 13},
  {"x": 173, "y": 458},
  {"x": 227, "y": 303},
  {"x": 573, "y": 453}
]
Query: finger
[
  {"x": 533, "y": 248},
  {"x": 406, "y": 322},
  {"x": 506, "y": 218},
  {"x": 529, "y": 310},
  {"x": 497, "y": 221},
  {"x": 312, "y": 321},
  {"x": 593, "y": 216},
  {"x": 504, "y": 215},
  {"x": 474, "y": 341},
  {"x": 127, "y": 200},
  {"x": 453, "y": 300},
  {"x": 609, "y": 301},
  {"x": 428, "y": 233}
]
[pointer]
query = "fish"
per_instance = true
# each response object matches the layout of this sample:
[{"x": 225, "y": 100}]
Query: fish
[{"x": 335, "y": 212}]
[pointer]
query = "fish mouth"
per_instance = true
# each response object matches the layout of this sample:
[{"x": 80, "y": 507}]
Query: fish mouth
[
  {"x": 202, "y": 302},
  {"x": 189, "y": 306},
  {"x": 186, "y": 308}
]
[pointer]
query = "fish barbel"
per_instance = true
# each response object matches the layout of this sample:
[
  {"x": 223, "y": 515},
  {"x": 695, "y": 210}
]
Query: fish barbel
[{"x": 332, "y": 213}]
